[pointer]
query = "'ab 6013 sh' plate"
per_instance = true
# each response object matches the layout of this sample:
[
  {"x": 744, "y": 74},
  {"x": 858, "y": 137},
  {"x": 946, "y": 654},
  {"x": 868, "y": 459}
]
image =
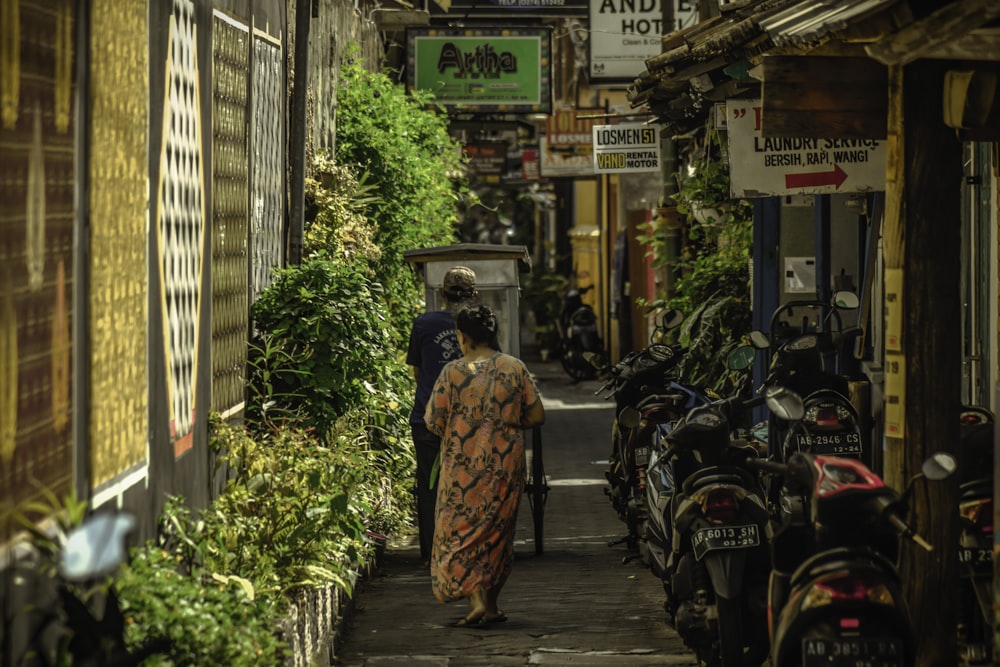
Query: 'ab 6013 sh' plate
[
  {"x": 852, "y": 652},
  {"x": 724, "y": 537}
]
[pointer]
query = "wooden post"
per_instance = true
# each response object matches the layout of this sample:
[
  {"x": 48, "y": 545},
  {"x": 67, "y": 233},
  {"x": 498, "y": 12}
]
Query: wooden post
[{"x": 923, "y": 356}]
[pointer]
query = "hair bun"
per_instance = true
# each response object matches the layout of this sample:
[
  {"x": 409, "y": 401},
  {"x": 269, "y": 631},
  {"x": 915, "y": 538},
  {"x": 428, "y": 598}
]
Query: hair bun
[{"x": 486, "y": 318}]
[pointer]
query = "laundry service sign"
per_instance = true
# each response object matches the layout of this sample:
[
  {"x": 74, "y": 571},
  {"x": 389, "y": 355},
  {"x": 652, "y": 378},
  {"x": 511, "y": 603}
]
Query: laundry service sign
[{"x": 506, "y": 69}]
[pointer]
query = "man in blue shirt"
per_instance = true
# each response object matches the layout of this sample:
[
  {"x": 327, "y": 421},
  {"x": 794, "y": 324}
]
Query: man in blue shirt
[{"x": 433, "y": 343}]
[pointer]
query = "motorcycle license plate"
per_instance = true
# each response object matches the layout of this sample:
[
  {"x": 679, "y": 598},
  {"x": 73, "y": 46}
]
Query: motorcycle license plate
[
  {"x": 641, "y": 456},
  {"x": 724, "y": 537},
  {"x": 829, "y": 443},
  {"x": 976, "y": 557},
  {"x": 852, "y": 651}
]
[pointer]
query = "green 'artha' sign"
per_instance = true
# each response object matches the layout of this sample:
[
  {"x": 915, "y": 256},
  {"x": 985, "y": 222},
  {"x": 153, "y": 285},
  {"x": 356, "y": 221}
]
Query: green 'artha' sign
[{"x": 488, "y": 70}]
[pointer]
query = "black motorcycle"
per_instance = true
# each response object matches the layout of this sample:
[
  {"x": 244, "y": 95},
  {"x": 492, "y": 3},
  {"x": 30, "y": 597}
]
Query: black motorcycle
[
  {"x": 638, "y": 384},
  {"x": 581, "y": 350},
  {"x": 719, "y": 561},
  {"x": 975, "y": 553}
]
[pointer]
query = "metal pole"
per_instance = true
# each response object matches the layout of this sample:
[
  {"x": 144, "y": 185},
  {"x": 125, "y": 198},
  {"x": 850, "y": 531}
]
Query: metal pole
[{"x": 297, "y": 132}]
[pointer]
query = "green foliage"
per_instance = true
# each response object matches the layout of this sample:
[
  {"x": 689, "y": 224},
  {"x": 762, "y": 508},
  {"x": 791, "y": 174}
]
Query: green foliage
[
  {"x": 208, "y": 620},
  {"x": 712, "y": 274},
  {"x": 401, "y": 142},
  {"x": 337, "y": 224},
  {"x": 709, "y": 334},
  {"x": 328, "y": 346}
]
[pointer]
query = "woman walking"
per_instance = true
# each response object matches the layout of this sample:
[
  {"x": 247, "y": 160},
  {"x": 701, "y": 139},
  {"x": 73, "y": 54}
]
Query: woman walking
[{"x": 480, "y": 406}]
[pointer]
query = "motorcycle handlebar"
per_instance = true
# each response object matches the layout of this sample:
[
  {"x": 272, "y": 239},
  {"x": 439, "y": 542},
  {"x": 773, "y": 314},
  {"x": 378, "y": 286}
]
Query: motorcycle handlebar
[
  {"x": 764, "y": 465},
  {"x": 907, "y": 532}
]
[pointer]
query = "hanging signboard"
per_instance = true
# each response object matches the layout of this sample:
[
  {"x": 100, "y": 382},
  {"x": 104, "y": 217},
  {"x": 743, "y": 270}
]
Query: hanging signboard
[
  {"x": 486, "y": 158},
  {"x": 506, "y": 9},
  {"x": 762, "y": 167},
  {"x": 568, "y": 144},
  {"x": 482, "y": 69},
  {"x": 626, "y": 33},
  {"x": 626, "y": 147},
  {"x": 529, "y": 165}
]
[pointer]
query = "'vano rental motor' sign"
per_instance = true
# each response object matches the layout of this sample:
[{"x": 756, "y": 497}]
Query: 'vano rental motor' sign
[{"x": 626, "y": 147}]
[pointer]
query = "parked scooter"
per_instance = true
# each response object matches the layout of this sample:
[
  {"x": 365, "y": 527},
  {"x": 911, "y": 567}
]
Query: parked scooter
[
  {"x": 975, "y": 553},
  {"x": 656, "y": 536},
  {"x": 581, "y": 349},
  {"x": 659, "y": 416},
  {"x": 799, "y": 362},
  {"x": 720, "y": 563},
  {"x": 638, "y": 384},
  {"x": 835, "y": 596}
]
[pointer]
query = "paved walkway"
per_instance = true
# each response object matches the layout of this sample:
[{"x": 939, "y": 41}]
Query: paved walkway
[{"x": 575, "y": 604}]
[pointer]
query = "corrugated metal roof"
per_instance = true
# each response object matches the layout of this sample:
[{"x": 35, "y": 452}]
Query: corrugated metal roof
[{"x": 810, "y": 21}]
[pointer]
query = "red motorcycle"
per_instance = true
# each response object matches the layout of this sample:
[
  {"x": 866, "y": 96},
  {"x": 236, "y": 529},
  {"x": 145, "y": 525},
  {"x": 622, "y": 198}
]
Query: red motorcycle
[{"x": 835, "y": 598}]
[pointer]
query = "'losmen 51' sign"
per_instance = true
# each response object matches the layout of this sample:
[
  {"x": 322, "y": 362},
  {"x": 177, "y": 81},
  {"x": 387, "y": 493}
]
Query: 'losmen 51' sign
[{"x": 626, "y": 147}]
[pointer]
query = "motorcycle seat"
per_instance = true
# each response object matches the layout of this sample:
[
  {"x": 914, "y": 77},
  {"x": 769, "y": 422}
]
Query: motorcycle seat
[
  {"x": 719, "y": 475},
  {"x": 832, "y": 560}
]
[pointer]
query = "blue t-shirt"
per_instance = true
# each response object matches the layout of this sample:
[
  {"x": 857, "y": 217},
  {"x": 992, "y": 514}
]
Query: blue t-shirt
[{"x": 433, "y": 343}]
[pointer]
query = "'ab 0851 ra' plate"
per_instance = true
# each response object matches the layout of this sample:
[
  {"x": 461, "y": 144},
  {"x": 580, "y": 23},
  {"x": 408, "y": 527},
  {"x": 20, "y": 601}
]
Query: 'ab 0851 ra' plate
[
  {"x": 724, "y": 537},
  {"x": 852, "y": 651}
]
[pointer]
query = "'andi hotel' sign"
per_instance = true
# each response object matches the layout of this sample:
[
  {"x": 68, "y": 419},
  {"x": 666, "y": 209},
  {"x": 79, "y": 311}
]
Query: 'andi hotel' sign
[{"x": 483, "y": 69}]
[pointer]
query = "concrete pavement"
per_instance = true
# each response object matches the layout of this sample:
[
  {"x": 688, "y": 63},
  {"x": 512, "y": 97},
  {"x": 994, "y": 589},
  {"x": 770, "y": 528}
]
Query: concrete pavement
[{"x": 576, "y": 603}]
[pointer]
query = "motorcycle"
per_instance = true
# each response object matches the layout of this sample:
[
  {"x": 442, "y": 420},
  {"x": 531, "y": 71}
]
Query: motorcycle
[
  {"x": 655, "y": 539},
  {"x": 655, "y": 534},
  {"x": 719, "y": 518},
  {"x": 975, "y": 554},
  {"x": 835, "y": 597},
  {"x": 637, "y": 384},
  {"x": 831, "y": 423},
  {"x": 581, "y": 349}
]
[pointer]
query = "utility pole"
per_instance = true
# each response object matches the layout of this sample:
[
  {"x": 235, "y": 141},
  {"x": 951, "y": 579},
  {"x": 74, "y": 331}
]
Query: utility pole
[{"x": 923, "y": 355}]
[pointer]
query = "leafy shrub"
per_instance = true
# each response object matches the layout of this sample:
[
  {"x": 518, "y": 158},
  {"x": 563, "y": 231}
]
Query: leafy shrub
[
  {"x": 337, "y": 223},
  {"x": 328, "y": 345},
  {"x": 712, "y": 274},
  {"x": 401, "y": 141},
  {"x": 208, "y": 620}
]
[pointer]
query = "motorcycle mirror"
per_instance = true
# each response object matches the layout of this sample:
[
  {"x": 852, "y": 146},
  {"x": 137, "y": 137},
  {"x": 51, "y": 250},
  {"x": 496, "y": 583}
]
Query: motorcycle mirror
[
  {"x": 96, "y": 547},
  {"x": 845, "y": 300},
  {"x": 740, "y": 358},
  {"x": 940, "y": 465},
  {"x": 629, "y": 417},
  {"x": 784, "y": 403},
  {"x": 759, "y": 340},
  {"x": 669, "y": 319}
]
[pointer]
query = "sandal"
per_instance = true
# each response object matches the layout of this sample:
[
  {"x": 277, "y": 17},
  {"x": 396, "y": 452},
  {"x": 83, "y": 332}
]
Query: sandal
[
  {"x": 468, "y": 622},
  {"x": 499, "y": 617}
]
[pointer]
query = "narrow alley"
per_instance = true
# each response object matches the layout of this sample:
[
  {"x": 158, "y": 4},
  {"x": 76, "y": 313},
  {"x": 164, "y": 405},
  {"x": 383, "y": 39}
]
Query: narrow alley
[{"x": 575, "y": 604}]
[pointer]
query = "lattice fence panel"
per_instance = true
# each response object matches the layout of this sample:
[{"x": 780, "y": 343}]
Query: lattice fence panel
[
  {"x": 181, "y": 206},
  {"x": 230, "y": 77},
  {"x": 268, "y": 211}
]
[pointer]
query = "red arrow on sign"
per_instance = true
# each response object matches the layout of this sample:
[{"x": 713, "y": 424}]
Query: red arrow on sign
[{"x": 817, "y": 178}]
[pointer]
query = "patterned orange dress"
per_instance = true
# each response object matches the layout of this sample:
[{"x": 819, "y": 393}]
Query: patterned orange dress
[{"x": 477, "y": 408}]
